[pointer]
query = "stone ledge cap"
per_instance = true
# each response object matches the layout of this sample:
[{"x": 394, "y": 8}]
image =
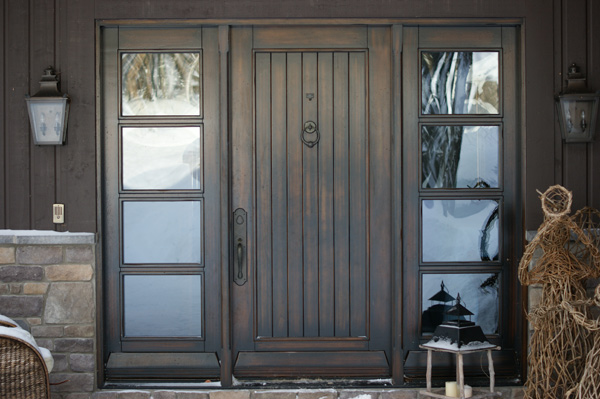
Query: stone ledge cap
[{"x": 45, "y": 237}]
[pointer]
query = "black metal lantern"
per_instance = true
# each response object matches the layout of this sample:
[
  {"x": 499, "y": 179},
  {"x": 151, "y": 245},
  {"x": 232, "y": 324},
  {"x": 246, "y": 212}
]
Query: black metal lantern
[
  {"x": 458, "y": 330},
  {"x": 577, "y": 110},
  {"x": 48, "y": 111}
]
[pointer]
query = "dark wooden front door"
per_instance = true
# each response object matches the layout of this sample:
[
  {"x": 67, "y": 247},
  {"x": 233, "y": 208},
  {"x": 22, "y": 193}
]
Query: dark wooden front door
[{"x": 312, "y": 268}]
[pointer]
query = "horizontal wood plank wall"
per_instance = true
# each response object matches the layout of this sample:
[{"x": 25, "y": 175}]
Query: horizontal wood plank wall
[{"x": 25, "y": 188}]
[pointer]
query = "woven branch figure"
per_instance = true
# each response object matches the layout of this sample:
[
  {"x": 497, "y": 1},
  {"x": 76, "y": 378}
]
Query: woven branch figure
[
  {"x": 589, "y": 385},
  {"x": 558, "y": 345}
]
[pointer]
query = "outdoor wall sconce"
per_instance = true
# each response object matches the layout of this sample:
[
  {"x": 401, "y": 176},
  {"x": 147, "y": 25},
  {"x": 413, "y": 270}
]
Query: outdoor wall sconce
[
  {"x": 577, "y": 110},
  {"x": 48, "y": 111}
]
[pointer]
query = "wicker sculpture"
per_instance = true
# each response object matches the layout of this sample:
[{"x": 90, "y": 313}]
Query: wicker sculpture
[
  {"x": 589, "y": 385},
  {"x": 558, "y": 345}
]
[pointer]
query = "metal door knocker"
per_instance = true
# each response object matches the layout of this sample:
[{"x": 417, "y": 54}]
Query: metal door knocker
[{"x": 310, "y": 135}]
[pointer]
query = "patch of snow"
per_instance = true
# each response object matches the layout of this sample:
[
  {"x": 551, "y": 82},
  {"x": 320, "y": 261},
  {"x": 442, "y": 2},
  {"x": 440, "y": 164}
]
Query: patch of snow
[{"x": 447, "y": 344}]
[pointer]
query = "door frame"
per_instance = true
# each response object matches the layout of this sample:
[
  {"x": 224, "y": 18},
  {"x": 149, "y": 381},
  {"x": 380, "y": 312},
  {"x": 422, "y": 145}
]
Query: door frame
[{"x": 225, "y": 126}]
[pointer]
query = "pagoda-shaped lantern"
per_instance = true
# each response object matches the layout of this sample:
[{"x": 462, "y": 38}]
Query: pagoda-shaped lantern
[
  {"x": 459, "y": 335},
  {"x": 457, "y": 330}
]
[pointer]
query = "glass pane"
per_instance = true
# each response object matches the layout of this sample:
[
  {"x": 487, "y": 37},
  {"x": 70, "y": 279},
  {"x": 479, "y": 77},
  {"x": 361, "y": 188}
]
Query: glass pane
[
  {"x": 160, "y": 84},
  {"x": 460, "y": 156},
  {"x": 162, "y": 158},
  {"x": 462, "y": 82},
  {"x": 163, "y": 306},
  {"x": 460, "y": 230},
  {"x": 478, "y": 293},
  {"x": 162, "y": 232}
]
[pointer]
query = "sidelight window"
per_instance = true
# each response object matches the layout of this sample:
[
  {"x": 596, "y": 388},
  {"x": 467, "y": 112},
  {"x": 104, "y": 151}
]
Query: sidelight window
[{"x": 463, "y": 148}]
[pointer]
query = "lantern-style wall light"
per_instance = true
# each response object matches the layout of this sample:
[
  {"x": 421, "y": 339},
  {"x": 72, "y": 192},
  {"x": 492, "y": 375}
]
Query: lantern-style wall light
[
  {"x": 48, "y": 111},
  {"x": 577, "y": 110}
]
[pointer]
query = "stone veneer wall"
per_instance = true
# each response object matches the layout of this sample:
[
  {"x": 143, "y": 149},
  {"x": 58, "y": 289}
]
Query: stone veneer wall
[{"x": 48, "y": 285}]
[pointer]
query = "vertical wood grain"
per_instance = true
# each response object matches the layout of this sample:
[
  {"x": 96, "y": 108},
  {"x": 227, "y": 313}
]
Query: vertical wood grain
[
  {"x": 359, "y": 187},
  {"x": 294, "y": 196},
  {"x": 397, "y": 200},
  {"x": 242, "y": 178},
  {"x": 341, "y": 194},
  {"x": 18, "y": 142},
  {"x": 263, "y": 195},
  {"x": 215, "y": 54},
  {"x": 279, "y": 190},
  {"x": 77, "y": 158},
  {"x": 3, "y": 124},
  {"x": 326, "y": 196},
  {"x": 410, "y": 178},
  {"x": 42, "y": 55},
  {"x": 223, "y": 36},
  {"x": 310, "y": 200},
  {"x": 574, "y": 48},
  {"x": 594, "y": 84},
  {"x": 380, "y": 218}
]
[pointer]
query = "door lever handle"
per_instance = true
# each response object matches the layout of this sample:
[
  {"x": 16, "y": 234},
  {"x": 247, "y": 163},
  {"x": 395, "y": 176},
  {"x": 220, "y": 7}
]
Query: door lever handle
[
  {"x": 240, "y": 261},
  {"x": 240, "y": 257}
]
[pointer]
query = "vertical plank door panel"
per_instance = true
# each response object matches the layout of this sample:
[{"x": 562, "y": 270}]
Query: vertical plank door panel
[
  {"x": 263, "y": 194},
  {"x": 341, "y": 194},
  {"x": 294, "y": 195},
  {"x": 310, "y": 199},
  {"x": 326, "y": 190},
  {"x": 359, "y": 218},
  {"x": 279, "y": 190}
]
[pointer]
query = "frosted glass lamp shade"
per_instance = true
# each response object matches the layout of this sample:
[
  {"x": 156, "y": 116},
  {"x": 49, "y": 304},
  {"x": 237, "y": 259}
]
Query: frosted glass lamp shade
[
  {"x": 48, "y": 112},
  {"x": 577, "y": 113}
]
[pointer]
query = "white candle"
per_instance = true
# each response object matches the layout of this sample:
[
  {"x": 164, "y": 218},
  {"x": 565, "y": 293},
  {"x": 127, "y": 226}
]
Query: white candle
[
  {"x": 452, "y": 389},
  {"x": 468, "y": 391}
]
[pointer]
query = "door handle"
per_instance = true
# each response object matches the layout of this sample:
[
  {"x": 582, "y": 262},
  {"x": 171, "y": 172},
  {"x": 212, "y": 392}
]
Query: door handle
[
  {"x": 240, "y": 258},
  {"x": 240, "y": 272}
]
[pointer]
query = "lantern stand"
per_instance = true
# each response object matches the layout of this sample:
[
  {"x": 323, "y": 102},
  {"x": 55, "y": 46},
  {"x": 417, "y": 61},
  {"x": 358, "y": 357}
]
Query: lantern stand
[{"x": 459, "y": 336}]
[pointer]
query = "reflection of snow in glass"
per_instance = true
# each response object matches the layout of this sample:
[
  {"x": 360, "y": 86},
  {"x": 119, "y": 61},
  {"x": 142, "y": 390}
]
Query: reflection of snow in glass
[
  {"x": 483, "y": 77},
  {"x": 478, "y": 292},
  {"x": 163, "y": 305},
  {"x": 478, "y": 163},
  {"x": 165, "y": 158},
  {"x": 162, "y": 232},
  {"x": 456, "y": 230}
]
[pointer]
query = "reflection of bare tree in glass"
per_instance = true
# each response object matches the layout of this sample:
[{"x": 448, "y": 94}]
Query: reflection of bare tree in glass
[
  {"x": 152, "y": 76},
  {"x": 444, "y": 91},
  {"x": 440, "y": 146},
  {"x": 444, "y": 82}
]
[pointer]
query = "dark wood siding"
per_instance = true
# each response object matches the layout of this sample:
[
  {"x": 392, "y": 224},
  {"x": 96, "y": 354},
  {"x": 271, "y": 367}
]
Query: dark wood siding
[{"x": 33, "y": 178}]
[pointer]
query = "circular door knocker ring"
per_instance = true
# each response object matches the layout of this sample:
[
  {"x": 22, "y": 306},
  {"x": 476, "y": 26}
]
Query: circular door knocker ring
[{"x": 310, "y": 135}]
